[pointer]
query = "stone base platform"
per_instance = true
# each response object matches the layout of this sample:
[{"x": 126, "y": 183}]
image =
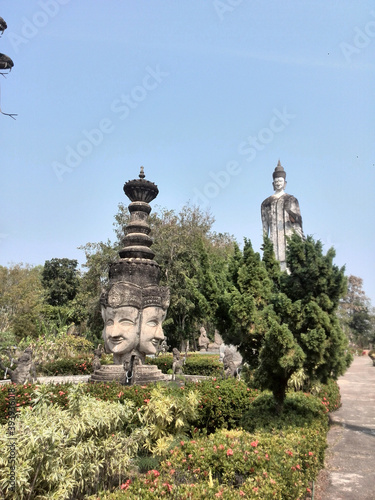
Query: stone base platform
[{"x": 143, "y": 375}]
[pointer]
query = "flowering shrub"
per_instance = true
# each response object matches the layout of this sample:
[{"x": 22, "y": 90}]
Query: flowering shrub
[
  {"x": 233, "y": 465},
  {"x": 222, "y": 402},
  {"x": 288, "y": 461},
  {"x": 151, "y": 487},
  {"x": 78, "y": 365},
  {"x": 330, "y": 395}
]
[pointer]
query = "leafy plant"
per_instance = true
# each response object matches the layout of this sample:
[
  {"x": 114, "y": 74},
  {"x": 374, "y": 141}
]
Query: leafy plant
[
  {"x": 167, "y": 415},
  {"x": 218, "y": 398},
  {"x": 67, "y": 453}
]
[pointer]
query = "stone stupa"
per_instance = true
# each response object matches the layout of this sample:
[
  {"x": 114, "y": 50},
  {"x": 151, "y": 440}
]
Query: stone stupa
[{"x": 134, "y": 305}]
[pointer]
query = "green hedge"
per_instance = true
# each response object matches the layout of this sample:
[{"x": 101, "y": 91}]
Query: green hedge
[
  {"x": 222, "y": 402},
  {"x": 196, "y": 364}
]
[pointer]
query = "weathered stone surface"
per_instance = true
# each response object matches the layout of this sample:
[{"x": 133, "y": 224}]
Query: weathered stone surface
[
  {"x": 178, "y": 363},
  {"x": 281, "y": 216},
  {"x": 203, "y": 340},
  {"x": 25, "y": 369},
  {"x": 215, "y": 346},
  {"x": 146, "y": 374}
]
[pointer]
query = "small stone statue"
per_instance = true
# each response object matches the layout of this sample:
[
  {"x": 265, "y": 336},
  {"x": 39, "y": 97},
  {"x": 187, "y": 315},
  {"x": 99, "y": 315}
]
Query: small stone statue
[
  {"x": 230, "y": 368},
  {"x": 178, "y": 363},
  {"x": 215, "y": 346},
  {"x": 281, "y": 216},
  {"x": 25, "y": 369},
  {"x": 203, "y": 340},
  {"x": 163, "y": 347},
  {"x": 98, "y": 352}
]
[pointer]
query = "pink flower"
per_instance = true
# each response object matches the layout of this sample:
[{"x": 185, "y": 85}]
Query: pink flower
[
  {"x": 154, "y": 472},
  {"x": 126, "y": 485},
  {"x": 254, "y": 443},
  {"x": 229, "y": 452}
]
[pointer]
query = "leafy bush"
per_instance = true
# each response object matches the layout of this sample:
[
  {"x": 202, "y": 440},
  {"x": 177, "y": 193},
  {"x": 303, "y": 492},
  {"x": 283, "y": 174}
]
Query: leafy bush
[
  {"x": 7, "y": 340},
  {"x": 58, "y": 394},
  {"x": 233, "y": 465},
  {"x": 166, "y": 415},
  {"x": 300, "y": 411},
  {"x": 163, "y": 362},
  {"x": 196, "y": 364},
  {"x": 80, "y": 365},
  {"x": 222, "y": 402},
  {"x": 52, "y": 347},
  {"x": 288, "y": 462},
  {"x": 330, "y": 396},
  {"x": 69, "y": 452}
]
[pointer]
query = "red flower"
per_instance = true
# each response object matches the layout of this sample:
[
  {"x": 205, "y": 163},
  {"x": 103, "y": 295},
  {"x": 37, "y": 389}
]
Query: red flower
[
  {"x": 153, "y": 471},
  {"x": 126, "y": 485},
  {"x": 254, "y": 443},
  {"x": 229, "y": 452}
]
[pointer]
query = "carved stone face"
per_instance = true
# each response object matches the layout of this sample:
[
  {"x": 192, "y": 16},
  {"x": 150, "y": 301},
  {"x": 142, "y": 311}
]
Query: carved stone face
[
  {"x": 151, "y": 329},
  {"x": 279, "y": 184},
  {"x": 121, "y": 328}
]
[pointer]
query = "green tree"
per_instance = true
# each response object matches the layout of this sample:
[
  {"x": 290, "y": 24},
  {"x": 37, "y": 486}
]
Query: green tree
[
  {"x": 356, "y": 315},
  {"x": 60, "y": 280},
  {"x": 312, "y": 290},
  {"x": 284, "y": 322},
  {"x": 85, "y": 305},
  {"x": 21, "y": 299},
  {"x": 243, "y": 318}
]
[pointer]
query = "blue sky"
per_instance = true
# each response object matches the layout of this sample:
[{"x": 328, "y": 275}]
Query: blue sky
[{"x": 207, "y": 95}]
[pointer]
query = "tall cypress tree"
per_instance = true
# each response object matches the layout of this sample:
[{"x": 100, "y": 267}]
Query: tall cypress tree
[{"x": 246, "y": 301}]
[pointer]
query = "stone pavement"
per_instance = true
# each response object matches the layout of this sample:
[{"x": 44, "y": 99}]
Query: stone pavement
[{"x": 349, "y": 472}]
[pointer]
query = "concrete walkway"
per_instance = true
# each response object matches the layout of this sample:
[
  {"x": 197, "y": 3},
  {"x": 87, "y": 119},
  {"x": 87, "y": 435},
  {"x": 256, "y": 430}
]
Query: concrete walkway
[{"x": 349, "y": 472}]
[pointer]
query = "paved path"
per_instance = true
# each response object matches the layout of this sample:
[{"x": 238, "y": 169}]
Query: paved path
[{"x": 349, "y": 472}]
